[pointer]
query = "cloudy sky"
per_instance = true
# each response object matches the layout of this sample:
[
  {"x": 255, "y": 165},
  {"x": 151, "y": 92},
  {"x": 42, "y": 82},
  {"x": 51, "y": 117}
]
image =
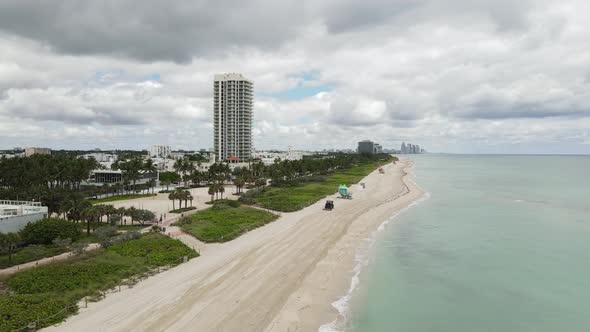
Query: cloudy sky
[{"x": 464, "y": 76}]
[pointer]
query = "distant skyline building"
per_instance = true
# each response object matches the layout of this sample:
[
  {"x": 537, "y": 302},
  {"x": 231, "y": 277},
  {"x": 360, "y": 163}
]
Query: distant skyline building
[
  {"x": 232, "y": 117},
  {"x": 410, "y": 148}
]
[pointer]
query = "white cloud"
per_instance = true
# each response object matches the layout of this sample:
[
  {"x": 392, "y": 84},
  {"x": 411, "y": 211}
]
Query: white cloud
[{"x": 459, "y": 76}]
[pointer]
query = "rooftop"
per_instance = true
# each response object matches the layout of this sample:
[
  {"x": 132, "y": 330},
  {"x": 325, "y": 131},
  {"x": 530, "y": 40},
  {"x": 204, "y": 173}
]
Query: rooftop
[{"x": 9, "y": 209}]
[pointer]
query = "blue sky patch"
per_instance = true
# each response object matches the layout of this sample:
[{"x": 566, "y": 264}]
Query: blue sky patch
[
  {"x": 154, "y": 77},
  {"x": 302, "y": 90}
]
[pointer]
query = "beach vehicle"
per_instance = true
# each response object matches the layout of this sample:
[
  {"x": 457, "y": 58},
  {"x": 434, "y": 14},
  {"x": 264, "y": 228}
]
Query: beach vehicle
[
  {"x": 381, "y": 170},
  {"x": 344, "y": 192},
  {"x": 329, "y": 205}
]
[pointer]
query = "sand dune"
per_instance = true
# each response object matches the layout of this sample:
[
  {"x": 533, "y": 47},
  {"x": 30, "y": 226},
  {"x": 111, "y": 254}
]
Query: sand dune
[{"x": 281, "y": 277}]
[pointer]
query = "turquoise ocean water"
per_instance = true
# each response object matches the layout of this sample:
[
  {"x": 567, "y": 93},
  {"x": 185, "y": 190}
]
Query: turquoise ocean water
[{"x": 501, "y": 244}]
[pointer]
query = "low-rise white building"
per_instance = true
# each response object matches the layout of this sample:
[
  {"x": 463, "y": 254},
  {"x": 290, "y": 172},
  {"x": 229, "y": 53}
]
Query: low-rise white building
[
  {"x": 15, "y": 215},
  {"x": 101, "y": 157},
  {"x": 268, "y": 157},
  {"x": 161, "y": 151},
  {"x": 106, "y": 160}
]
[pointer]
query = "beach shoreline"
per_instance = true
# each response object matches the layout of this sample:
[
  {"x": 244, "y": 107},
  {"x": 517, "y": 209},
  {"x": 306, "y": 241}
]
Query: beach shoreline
[
  {"x": 281, "y": 277},
  {"x": 346, "y": 261}
]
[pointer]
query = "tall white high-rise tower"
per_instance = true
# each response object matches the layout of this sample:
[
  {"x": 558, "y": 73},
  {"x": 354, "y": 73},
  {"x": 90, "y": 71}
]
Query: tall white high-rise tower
[{"x": 232, "y": 117}]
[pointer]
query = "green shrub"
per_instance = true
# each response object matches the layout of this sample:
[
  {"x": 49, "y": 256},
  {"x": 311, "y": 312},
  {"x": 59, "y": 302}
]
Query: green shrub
[
  {"x": 104, "y": 234},
  {"x": 225, "y": 202},
  {"x": 31, "y": 253},
  {"x": 16, "y": 311},
  {"x": 46, "y": 290},
  {"x": 247, "y": 200},
  {"x": 249, "y": 197},
  {"x": 234, "y": 204},
  {"x": 46, "y": 230},
  {"x": 157, "y": 248},
  {"x": 184, "y": 209},
  {"x": 64, "y": 277}
]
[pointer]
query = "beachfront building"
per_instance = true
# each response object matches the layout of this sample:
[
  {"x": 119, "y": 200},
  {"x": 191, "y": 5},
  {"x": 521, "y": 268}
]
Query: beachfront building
[
  {"x": 15, "y": 215},
  {"x": 377, "y": 148},
  {"x": 99, "y": 177},
  {"x": 369, "y": 147},
  {"x": 32, "y": 151},
  {"x": 232, "y": 117},
  {"x": 161, "y": 151}
]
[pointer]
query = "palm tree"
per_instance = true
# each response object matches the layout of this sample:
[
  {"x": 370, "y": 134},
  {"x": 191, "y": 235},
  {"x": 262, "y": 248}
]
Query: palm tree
[
  {"x": 196, "y": 177},
  {"x": 131, "y": 212},
  {"x": 212, "y": 190},
  {"x": 172, "y": 196},
  {"x": 121, "y": 212},
  {"x": 131, "y": 170},
  {"x": 178, "y": 166},
  {"x": 180, "y": 197},
  {"x": 166, "y": 182},
  {"x": 109, "y": 210},
  {"x": 100, "y": 212},
  {"x": 90, "y": 214},
  {"x": 183, "y": 196},
  {"x": 150, "y": 168},
  {"x": 239, "y": 183},
  {"x": 75, "y": 205}
]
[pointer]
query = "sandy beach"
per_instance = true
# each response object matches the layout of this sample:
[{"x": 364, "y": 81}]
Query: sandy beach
[{"x": 281, "y": 277}]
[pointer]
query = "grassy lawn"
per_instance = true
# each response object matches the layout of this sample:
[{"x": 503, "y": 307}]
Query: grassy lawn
[
  {"x": 222, "y": 222},
  {"x": 131, "y": 227},
  {"x": 29, "y": 254},
  {"x": 288, "y": 199},
  {"x": 32, "y": 253},
  {"x": 185, "y": 209},
  {"x": 46, "y": 290},
  {"x": 120, "y": 198}
]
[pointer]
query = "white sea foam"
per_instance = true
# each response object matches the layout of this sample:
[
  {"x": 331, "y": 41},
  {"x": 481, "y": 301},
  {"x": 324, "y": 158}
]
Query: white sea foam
[{"x": 361, "y": 260}]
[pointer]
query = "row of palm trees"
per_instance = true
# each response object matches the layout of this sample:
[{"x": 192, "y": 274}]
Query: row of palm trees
[
  {"x": 83, "y": 211},
  {"x": 45, "y": 171},
  {"x": 257, "y": 173},
  {"x": 216, "y": 189},
  {"x": 180, "y": 195},
  {"x": 133, "y": 169}
]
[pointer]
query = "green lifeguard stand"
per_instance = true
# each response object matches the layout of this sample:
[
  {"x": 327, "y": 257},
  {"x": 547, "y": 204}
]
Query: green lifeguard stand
[{"x": 344, "y": 193}]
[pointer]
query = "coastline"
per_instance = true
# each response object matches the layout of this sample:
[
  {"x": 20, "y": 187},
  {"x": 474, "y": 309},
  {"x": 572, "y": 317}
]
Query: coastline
[
  {"x": 325, "y": 295},
  {"x": 281, "y": 277}
]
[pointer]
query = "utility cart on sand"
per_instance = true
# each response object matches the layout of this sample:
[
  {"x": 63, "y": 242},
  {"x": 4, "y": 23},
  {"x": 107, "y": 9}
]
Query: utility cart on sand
[{"x": 329, "y": 205}]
